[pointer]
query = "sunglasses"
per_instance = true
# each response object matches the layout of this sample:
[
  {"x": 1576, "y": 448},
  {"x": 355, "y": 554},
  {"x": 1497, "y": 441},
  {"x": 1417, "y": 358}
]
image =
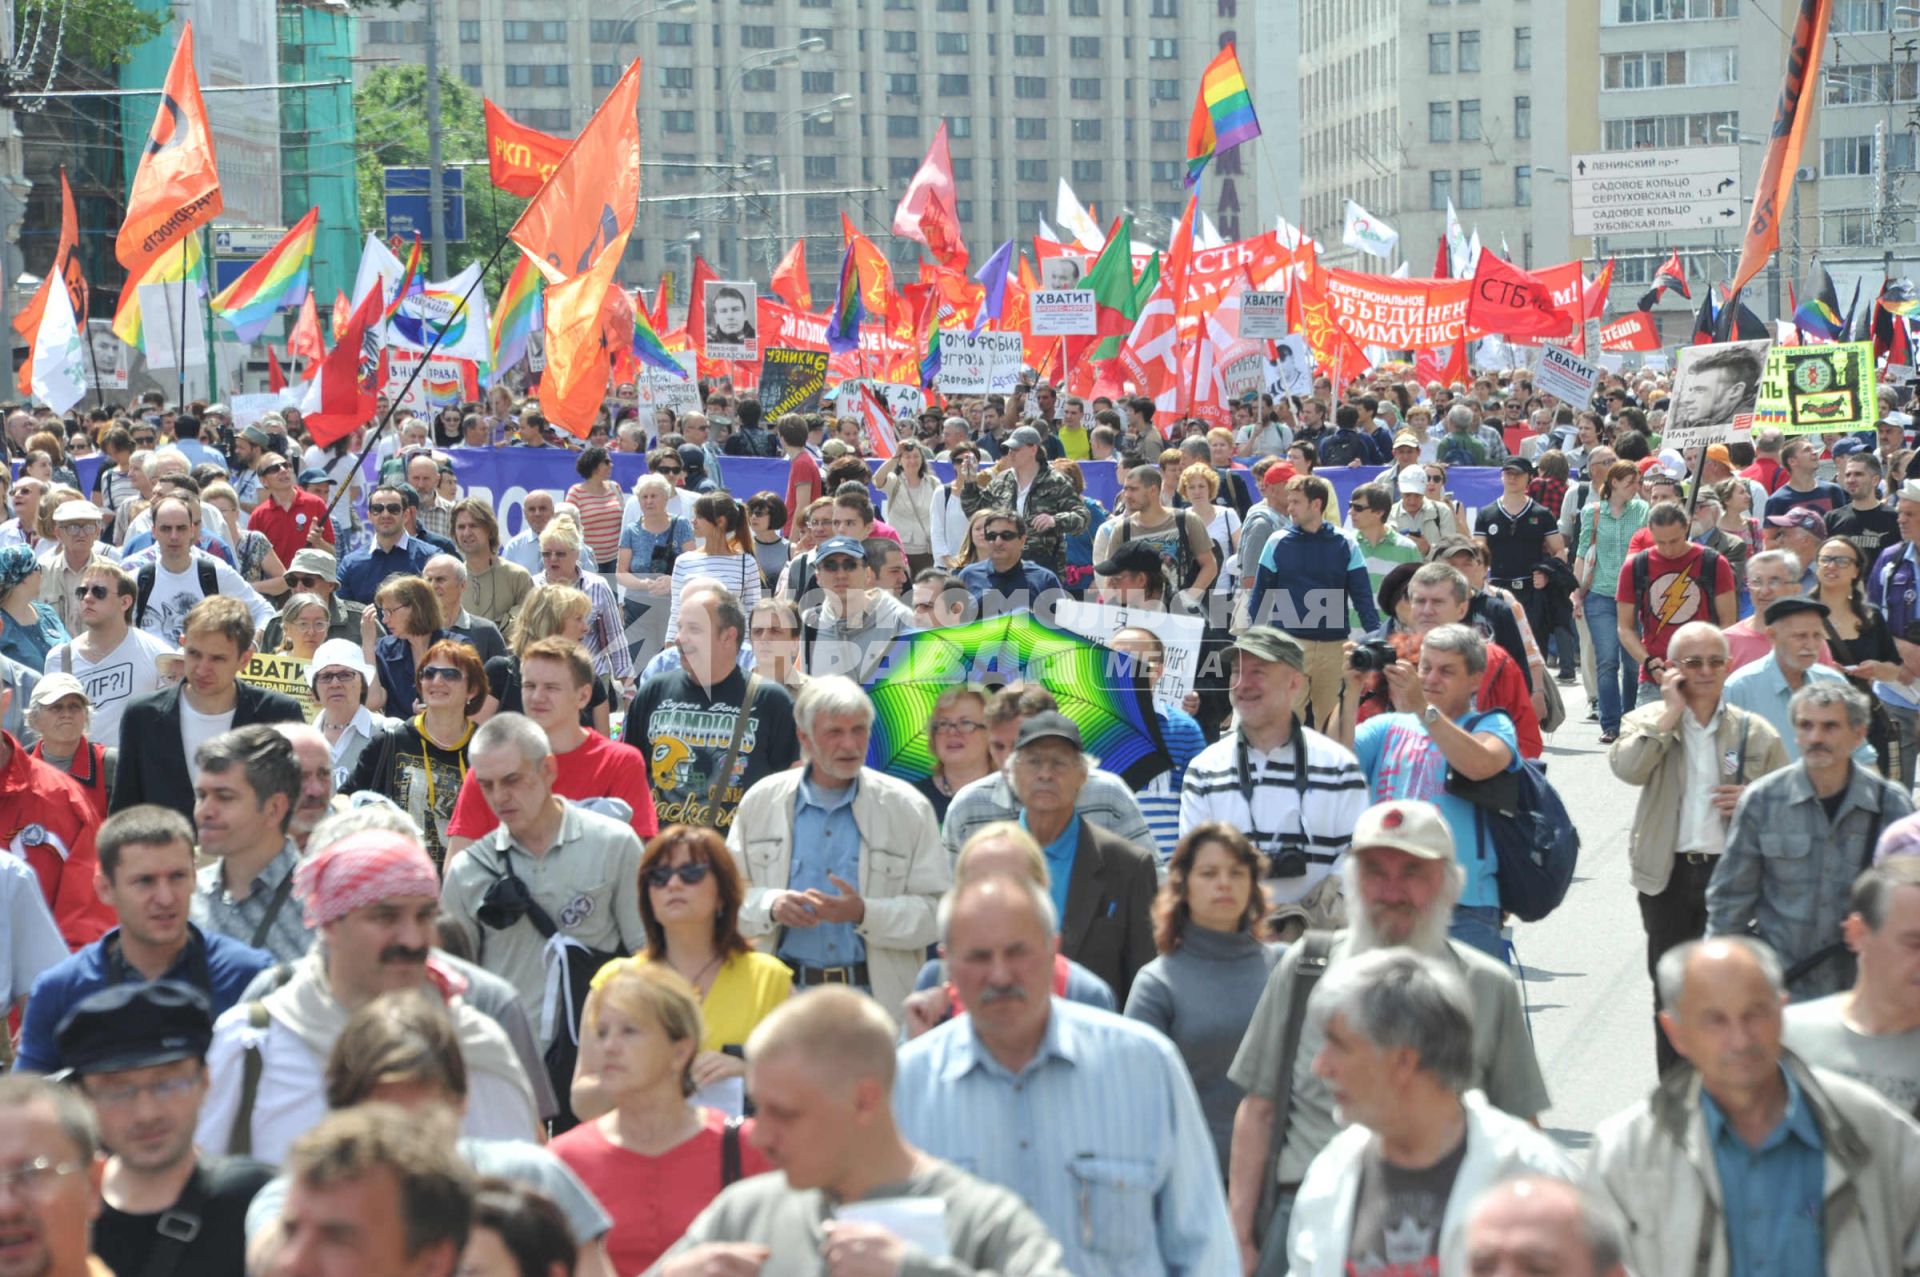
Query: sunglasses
[
  {"x": 445, "y": 673},
  {"x": 91, "y": 592},
  {"x": 301, "y": 581},
  {"x": 671, "y": 470},
  {"x": 275, "y": 468},
  {"x": 661, "y": 875},
  {"x": 999, "y": 536},
  {"x": 385, "y": 507}
]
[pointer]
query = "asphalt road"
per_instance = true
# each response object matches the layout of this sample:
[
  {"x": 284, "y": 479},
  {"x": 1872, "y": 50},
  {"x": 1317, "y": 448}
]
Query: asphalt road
[{"x": 1584, "y": 967}]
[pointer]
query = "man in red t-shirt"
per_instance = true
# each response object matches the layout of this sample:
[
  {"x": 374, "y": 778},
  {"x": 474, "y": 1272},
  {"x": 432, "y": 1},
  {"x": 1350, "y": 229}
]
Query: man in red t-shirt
[
  {"x": 289, "y": 518},
  {"x": 803, "y": 472},
  {"x": 556, "y": 682},
  {"x": 1663, "y": 588}
]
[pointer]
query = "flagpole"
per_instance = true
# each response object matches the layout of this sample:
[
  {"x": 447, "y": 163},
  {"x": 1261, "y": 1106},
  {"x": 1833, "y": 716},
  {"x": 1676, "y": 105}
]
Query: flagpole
[
  {"x": 180, "y": 338},
  {"x": 93, "y": 356},
  {"x": 419, "y": 366}
]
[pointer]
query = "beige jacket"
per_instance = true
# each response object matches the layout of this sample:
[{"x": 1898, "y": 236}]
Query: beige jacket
[
  {"x": 903, "y": 871},
  {"x": 1656, "y": 763},
  {"x": 1655, "y": 1162}
]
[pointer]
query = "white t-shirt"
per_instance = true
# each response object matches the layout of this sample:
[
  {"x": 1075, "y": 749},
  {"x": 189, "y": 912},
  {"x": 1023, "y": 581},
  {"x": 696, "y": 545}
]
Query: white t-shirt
[
  {"x": 175, "y": 593},
  {"x": 196, "y": 729},
  {"x": 129, "y": 670}
]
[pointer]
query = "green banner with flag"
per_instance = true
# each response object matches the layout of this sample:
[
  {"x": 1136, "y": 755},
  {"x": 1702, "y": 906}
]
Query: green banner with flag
[{"x": 1828, "y": 389}]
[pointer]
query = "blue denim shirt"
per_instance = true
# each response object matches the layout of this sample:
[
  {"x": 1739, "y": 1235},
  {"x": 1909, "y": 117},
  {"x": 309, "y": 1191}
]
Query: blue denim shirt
[
  {"x": 825, "y": 841},
  {"x": 1773, "y": 1194}
]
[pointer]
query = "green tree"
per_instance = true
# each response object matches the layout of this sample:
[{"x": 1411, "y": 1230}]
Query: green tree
[
  {"x": 390, "y": 128},
  {"x": 98, "y": 33}
]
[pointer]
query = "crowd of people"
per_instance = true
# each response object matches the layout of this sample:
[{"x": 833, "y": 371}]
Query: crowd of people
[{"x": 394, "y": 895}]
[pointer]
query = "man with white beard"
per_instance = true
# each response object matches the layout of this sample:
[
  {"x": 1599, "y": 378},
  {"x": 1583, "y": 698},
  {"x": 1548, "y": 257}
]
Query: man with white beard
[{"x": 1401, "y": 883}]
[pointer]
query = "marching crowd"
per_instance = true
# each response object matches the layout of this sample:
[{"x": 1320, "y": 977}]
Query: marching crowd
[{"x": 391, "y": 895}]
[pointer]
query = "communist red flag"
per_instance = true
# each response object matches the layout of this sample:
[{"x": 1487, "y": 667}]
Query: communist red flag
[
  {"x": 790, "y": 277},
  {"x": 1507, "y": 300},
  {"x": 876, "y": 278},
  {"x": 64, "y": 267},
  {"x": 697, "y": 303},
  {"x": 177, "y": 186},
  {"x": 575, "y": 382},
  {"x": 590, "y": 200},
  {"x": 520, "y": 158},
  {"x": 306, "y": 341},
  {"x": 940, "y": 226}
]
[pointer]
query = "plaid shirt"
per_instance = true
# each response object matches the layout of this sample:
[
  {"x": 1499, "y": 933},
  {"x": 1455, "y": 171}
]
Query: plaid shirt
[
  {"x": 437, "y": 518},
  {"x": 215, "y": 909},
  {"x": 1789, "y": 871}
]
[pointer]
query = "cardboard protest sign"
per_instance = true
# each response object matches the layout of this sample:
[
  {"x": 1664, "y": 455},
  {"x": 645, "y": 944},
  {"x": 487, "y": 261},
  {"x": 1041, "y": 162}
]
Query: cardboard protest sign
[
  {"x": 1565, "y": 376},
  {"x": 978, "y": 363},
  {"x": 902, "y": 400},
  {"x": 1715, "y": 389},
  {"x": 1062, "y": 312},
  {"x": 1819, "y": 389},
  {"x": 1179, "y": 635},
  {"x": 658, "y": 388},
  {"x": 1262, "y": 315},
  {"x": 280, "y": 672},
  {"x": 791, "y": 381}
]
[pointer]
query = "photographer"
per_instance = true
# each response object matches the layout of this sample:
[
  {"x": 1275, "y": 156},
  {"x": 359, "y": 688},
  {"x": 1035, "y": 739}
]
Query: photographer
[{"x": 1294, "y": 792}]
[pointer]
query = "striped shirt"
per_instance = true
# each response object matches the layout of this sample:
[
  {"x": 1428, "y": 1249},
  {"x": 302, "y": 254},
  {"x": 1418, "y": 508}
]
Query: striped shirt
[
  {"x": 606, "y": 637},
  {"x": 1380, "y": 558},
  {"x": 214, "y": 909},
  {"x": 599, "y": 518},
  {"x": 1104, "y": 799},
  {"x": 738, "y": 572},
  {"x": 1160, "y": 798},
  {"x": 1336, "y": 794},
  {"x": 1101, "y": 1135}
]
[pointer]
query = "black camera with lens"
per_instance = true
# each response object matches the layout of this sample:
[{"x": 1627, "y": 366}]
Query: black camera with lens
[
  {"x": 1289, "y": 860},
  {"x": 1372, "y": 657}
]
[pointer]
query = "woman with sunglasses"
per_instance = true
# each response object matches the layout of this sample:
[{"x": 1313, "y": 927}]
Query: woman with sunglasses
[
  {"x": 723, "y": 552},
  {"x": 1858, "y": 635},
  {"x": 766, "y": 517},
  {"x": 957, "y": 734},
  {"x": 774, "y": 628},
  {"x": 599, "y": 500},
  {"x": 420, "y": 761}
]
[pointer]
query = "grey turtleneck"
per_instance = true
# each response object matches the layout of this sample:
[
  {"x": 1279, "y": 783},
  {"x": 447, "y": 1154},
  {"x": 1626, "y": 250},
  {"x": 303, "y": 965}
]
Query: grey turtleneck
[{"x": 1201, "y": 996}]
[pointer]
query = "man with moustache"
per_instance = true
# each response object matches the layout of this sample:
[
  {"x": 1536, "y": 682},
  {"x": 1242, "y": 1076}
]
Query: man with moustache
[
  {"x": 373, "y": 897},
  {"x": 1401, "y": 883},
  {"x": 317, "y": 800}
]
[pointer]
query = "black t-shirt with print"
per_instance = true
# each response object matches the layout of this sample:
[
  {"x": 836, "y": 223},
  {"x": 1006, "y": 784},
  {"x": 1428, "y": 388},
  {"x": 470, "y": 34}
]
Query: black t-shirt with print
[
  {"x": 1397, "y": 1216},
  {"x": 684, "y": 730},
  {"x": 123, "y": 1242},
  {"x": 1514, "y": 542}
]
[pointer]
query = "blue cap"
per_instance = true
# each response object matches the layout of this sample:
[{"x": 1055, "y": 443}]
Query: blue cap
[{"x": 840, "y": 545}]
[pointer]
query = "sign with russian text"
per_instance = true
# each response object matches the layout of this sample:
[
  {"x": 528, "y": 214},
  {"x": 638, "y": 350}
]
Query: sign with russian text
[
  {"x": 1262, "y": 315},
  {"x": 1819, "y": 389},
  {"x": 978, "y": 363},
  {"x": 791, "y": 381},
  {"x": 1064, "y": 312},
  {"x": 1565, "y": 376}
]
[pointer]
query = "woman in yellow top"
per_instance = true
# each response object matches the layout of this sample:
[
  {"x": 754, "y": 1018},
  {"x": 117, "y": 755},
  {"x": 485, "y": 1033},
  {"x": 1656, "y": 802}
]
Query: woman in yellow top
[{"x": 690, "y": 894}]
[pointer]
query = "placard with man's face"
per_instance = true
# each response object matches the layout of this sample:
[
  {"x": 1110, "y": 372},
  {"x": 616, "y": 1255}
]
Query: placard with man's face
[
  {"x": 1063, "y": 271},
  {"x": 731, "y": 306}
]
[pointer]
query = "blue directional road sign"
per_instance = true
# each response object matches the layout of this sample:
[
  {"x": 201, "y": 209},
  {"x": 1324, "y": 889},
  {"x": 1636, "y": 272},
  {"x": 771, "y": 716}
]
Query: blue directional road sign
[{"x": 407, "y": 196}]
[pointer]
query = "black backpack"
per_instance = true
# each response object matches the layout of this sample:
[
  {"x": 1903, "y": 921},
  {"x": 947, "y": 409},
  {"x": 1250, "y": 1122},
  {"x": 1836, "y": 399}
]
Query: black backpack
[
  {"x": 1706, "y": 569},
  {"x": 1535, "y": 845},
  {"x": 1342, "y": 447},
  {"x": 143, "y": 585}
]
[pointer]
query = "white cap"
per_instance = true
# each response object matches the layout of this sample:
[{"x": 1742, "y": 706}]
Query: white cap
[
  {"x": 343, "y": 653},
  {"x": 1413, "y": 479},
  {"x": 78, "y": 512}
]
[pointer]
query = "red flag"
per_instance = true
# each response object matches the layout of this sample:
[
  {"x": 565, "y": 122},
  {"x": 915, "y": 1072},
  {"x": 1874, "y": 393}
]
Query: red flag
[
  {"x": 877, "y": 420},
  {"x": 1508, "y": 301},
  {"x": 590, "y": 199},
  {"x": 177, "y": 186},
  {"x": 790, "y": 280},
  {"x": 697, "y": 303},
  {"x": 575, "y": 382},
  {"x": 940, "y": 226},
  {"x": 1781, "y": 159},
  {"x": 1443, "y": 260},
  {"x": 1595, "y": 301},
  {"x": 276, "y": 379},
  {"x": 345, "y": 391},
  {"x": 1634, "y": 330},
  {"x": 65, "y": 266},
  {"x": 520, "y": 158},
  {"x": 662, "y": 296},
  {"x": 342, "y": 312},
  {"x": 934, "y": 176},
  {"x": 305, "y": 341}
]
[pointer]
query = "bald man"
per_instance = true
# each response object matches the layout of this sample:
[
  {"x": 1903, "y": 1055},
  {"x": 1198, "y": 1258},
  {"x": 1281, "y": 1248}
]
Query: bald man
[
  {"x": 820, "y": 1069},
  {"x": 1538, "y": 1226}
]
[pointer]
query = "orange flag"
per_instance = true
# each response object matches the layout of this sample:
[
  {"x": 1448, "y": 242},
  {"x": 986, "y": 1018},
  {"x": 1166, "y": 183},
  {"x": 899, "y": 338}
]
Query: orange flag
[
  {"x": 877, "y": 293},
  {"x": 520, "y": 158},
  {"x": 64, "y": 266},
  {"x": 342, "y": 313},
  {"x": 1781, "y": 160},
  {"x": 575, "y": 382},
  {"x": 178, "y": 184},
  {"x": 697, "y": 303},
  {"x": 790, "y": 277},
  {"x": 590, "y": 200}
]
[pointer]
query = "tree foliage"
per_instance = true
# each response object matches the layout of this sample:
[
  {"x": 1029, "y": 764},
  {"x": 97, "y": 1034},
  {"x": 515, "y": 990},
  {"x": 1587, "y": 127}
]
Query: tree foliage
[
  {"x": 97, "y": 33},
  {"x": 390, "y": 128}
]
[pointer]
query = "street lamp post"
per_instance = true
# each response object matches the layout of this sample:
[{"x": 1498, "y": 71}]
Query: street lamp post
[{"x": 764, "y": 60}]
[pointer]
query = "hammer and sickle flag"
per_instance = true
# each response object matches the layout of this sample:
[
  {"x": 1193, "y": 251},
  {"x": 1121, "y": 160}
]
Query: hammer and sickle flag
[
  {"x": 591, "y": 199},
  {"x": 177, "y": 187}
]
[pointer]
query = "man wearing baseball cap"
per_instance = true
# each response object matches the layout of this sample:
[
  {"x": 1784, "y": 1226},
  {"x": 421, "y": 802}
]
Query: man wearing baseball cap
[
  {"x": 1027, "y": 486},
  {"x": 1401, "y": 882},
  {"x": 854, "y": 622},
  {"x": 1426, "y": 522},
  {"x": 248, "y": 447},
  {"x": 1516, "y": 531},
  {"x": 138, "y": 1052},
  {"x": 314, "y": 571},
  {"x": 1799, "y": 530},
  {"x": 77, "y": 524}
]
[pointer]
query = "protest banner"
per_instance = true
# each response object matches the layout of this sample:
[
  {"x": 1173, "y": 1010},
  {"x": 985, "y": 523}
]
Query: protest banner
[
  {"x": 730, "y": 318},
  {"x": 1179, "y": 635},
  {"x": 1818, "y": 389},
  {"x": 791, "y": 381},
  {"x": 1065, "y": 312},
  {"x": 279, "y": 672},
  {"x": 1715, "y": 389},
  {"x": 1398, "y": 314},
  {"x": 1565, "y": 376},
  {"x": 444, "y": 382},
  {"x": 1262, "y": 315},
  {"x": 978, "y": 363},
  {"x": 658, "y": 388},
  {"x": 1633, "y": 331}
]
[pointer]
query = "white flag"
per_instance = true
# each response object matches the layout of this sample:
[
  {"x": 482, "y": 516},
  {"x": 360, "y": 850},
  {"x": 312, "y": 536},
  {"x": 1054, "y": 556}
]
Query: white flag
[
  {"x": 1048, "y": 233},
  {"x": 1072, "y": 217},
  {"x": 421, "y": 318},
  {"x": 1456, "y": 244},
  {"x": 1473, "y": 254},
  {"x": 59, "y": 355},
  {"x": 1367, "y": 233},
  {"x": 378, "y": 266},
  {"x": 1209, "y": 236}
]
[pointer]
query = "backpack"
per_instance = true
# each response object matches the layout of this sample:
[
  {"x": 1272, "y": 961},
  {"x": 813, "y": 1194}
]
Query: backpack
[
  {"x": 143, "y": 585},
  {"x": 1706, "y": 570},
  {"x": 1460, "y": 450},
  {"x": 1535, "y": 845},
  {"x": 1184, "y": 570},
  {"x": 1342, "y": 447}
]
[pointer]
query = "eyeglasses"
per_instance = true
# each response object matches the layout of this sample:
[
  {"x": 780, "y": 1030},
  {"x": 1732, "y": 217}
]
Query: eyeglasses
[
  {"x": 1698, "y": 663},
  {"x": 335, "y": 676},
  {"x": 385, "y": 507},
  {"x": 661, "y": 875},
  {"x": 37, "y": 1179},
  {"x": 121, "y": 1096},
  {"x": 275, "y": 468},
  {"x": 84, "y": 592},
  {"x": 446, "y": 673},
  {"x": 991, "y": 537},
  {"x": 310, "y": 623},
  {"x": 965, "y": 726},
  {"x": 1834, "y": 560}
]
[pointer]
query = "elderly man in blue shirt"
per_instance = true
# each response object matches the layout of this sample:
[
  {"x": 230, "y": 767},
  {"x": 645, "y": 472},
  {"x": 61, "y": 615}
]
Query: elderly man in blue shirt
[
  {"x": 1797, "y": 626},
  {"x": 1089, "y": 1118}
]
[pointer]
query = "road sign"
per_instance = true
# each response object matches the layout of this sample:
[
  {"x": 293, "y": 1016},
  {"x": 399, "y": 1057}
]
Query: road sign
[
  {"x": 1621, "y": 192},
  {"x": 228, "y": 269},
  {"x": 407, "y": 197},
  {"x": 250, "y": 241}
]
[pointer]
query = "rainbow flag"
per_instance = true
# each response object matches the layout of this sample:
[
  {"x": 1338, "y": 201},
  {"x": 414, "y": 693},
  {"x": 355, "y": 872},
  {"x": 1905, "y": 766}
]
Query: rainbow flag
[
  {"x": 649, "y": 349},
  {"x": 515, "y": 316},
  {"x": 186, "y": 263},
  {"x": 930, "y": 361},
  {"x": 411, "y": 281},
  {"x": 1222, "y": 115},
  {"x": 843, "y": 325},
  {"x": 277, "y": 280}
]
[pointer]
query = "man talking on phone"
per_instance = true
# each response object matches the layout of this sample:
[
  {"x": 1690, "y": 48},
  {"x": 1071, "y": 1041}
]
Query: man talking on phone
[{"x": 1690, "y": 754}]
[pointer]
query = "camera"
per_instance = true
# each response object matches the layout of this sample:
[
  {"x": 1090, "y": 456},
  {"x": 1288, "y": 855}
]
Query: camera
[
  {"x": 1288, "y": 861},
  {"x": 1372, "y": 657}
]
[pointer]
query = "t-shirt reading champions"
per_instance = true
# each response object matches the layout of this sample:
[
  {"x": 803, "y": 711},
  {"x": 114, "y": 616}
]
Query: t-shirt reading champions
[{"x": 684, "y": 730}]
